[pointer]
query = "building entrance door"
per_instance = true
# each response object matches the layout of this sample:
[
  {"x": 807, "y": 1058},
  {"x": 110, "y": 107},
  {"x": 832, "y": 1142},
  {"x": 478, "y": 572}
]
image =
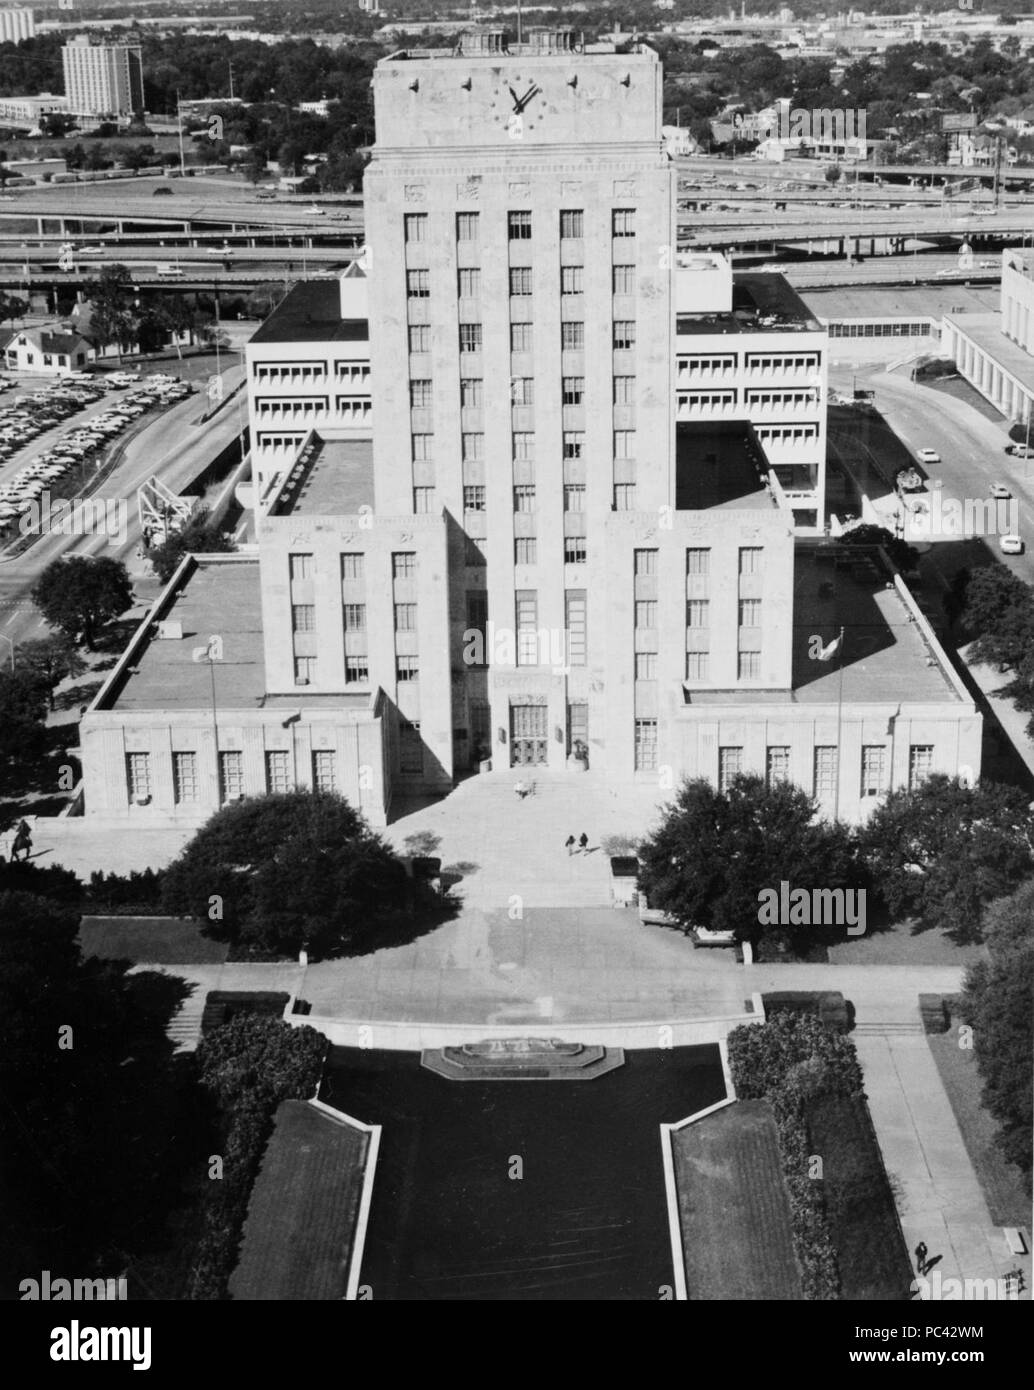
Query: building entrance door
[{"x": 528, "y": 735}]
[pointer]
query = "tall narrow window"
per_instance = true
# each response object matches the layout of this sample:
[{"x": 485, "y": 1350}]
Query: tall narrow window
[
  {"x": 777, "y": 764},
  {"x": 324, "y": 770},
  {"x": 469, "y": 282},
  {"x": 825, "y": 770},
  {"x": 519, "y": 226},
  {"x": 874, "y": 769},
  {"x": 418, "y": 284},
  {"x": 467, "y": 226},
  {"x": 231, "y": 776},
  {"x": 572, "y": 279},
  {"x": 301, "y": 566},
  {"x": 572, "y": 335},
  {"x": 572, "y": 223},
  {"x": 416, "y": 227},
  {"x": 646, "y": 745},
  {"x": 138, "y": 776},
  {"x": 750, "y": 559},
  {"x": 520, "y": 280},
  {"x": 920, "y": 764},
  {"x": 471, "y": 392},
  {"x": 624, "y": 334},
  {"x": 184, "y": 778},
  {"x": 624, "y": 222},
  {"x": 730, "y": 765},
  {"x": 573, "y": 390},
  {"x": 575, "y": 621},
  {"x": 527, "y": 607},
  {"x": 278, "y": 771}
]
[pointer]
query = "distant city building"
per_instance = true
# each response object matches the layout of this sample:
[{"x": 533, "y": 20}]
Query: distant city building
[
  {"x": 995, "y": 352},
  {"x": 103, "y": 79},
  {"x": 16, "y": 25},
  {"x": 28, "y": 110}
]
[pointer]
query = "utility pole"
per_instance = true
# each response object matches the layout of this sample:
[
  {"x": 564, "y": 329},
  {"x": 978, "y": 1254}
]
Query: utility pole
[
  {"x": 998, "y": 169},
  {"x": 230, "y": 66},
  {"x": 179, "y": 122}
]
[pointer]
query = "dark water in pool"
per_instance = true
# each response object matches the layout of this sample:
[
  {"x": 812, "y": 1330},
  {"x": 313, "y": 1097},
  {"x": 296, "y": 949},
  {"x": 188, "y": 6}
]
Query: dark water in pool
[{"x": 586, "y": 1219}]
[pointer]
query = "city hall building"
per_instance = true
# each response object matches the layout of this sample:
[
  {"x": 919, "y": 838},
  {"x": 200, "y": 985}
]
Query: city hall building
[{"x": 532, "y": 492}]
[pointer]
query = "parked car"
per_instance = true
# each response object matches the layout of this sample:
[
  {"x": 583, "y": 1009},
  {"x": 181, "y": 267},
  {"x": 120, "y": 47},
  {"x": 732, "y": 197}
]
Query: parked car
[
  {"x": 928, "y": 456},
  {"x": 705, "y": 936},
  {"x": 1020, "y": 451},
  {"x": 1010, "y": 544},
  {"x": 1000, "y": 491}
]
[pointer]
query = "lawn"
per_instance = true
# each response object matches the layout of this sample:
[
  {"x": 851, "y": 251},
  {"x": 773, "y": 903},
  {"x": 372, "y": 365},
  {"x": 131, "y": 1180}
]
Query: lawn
[
  {"x": 860, "y": 1210},
  {"x": 735, "y": 1216},
  {"x": 301, "y": 1218},
  {"x": 1000, "y": 1181},
  {"x": 152, "y": 940}
]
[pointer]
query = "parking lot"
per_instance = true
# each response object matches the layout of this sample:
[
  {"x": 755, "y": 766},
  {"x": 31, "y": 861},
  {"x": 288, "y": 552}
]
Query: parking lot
[{"x": 39, "y": 454}]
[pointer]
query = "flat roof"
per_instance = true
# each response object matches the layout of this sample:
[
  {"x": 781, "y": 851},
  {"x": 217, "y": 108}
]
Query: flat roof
[
  {"x": 311, "y": 312},
  {"x": 761, "y": 303},
  {"x": 886, "y": 655},
  {"x": 985, "y": 330},
  {"x": 911, "y": 302},
  {"x": 333, "y": 477},
  {"x": 716, "y": 469}
]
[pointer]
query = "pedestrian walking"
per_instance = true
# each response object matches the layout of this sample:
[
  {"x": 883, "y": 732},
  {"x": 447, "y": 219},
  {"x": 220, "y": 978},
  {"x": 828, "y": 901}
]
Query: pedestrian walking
[
  {"x": 921, "y": 1253},
  {"x": 569, "y": 844},
  {"x": 22, "y": 842},
  {"x": 583, "y": 842}
]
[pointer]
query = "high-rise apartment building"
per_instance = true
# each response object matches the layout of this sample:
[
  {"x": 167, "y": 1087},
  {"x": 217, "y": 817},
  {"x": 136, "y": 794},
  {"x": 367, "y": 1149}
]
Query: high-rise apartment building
[
  {"x": 103, "y": 79},
  {"x": 16, "y": 24},
  {"x": 532, "y": 491}
]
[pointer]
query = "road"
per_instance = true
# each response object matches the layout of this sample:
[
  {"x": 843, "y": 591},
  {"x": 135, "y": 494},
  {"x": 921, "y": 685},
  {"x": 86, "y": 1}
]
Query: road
[{"x": 175, "y": 445}]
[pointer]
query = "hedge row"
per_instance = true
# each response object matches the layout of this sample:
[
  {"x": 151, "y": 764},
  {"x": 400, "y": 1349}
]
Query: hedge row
[{"x": 789, "y": 1061}]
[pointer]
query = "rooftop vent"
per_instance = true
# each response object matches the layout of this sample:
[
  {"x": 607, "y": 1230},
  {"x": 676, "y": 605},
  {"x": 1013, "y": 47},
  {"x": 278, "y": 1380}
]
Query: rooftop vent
[{"x": 483, "y": 41}]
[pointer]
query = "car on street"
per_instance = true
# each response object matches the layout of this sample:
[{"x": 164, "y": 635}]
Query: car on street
[
  {"x": 1020, "y": 451},
  {"x": 707, "y": 936},
  {"x": 928, "y": 456},
  {"x": 1010, "y": 544},
  {"x": 1000, "y": 491}
]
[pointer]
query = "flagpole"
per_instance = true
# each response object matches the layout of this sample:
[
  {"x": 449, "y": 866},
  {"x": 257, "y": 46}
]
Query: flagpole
[{"x": 840, "y": 716}]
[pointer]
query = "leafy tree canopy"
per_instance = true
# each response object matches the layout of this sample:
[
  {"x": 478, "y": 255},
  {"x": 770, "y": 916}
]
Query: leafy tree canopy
[{"x": 80, "y": 593}]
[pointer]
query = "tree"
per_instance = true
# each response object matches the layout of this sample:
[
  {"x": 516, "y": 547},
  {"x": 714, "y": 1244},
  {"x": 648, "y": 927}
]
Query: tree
[
  {"x": 80, "y": 593},
  {"x": 832, "y": 174},
  {"x": 998, "y": 608},
  {"x": 292, "y": 870},
  {"x": 905, "y": 556},
  {"x": 114, "y": 317},
  {"x": 715, "y": 852},
  {"x": 52, "y": 660},
  {"x": 11, "y": 307},
  {"x": 200, "y": 536},
  {"x": 996, "y": 1002},
  {"x": 23, "y": 706},
  {"x": 943, "y": 851},
  {"x": 56, "y": 124},
  {"x": 254, "y": 1052}
]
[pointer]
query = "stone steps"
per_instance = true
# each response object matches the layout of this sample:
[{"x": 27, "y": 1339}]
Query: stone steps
[
  {"x": 889, "y": 1028},
  {"x": 184, "y": 1029}
]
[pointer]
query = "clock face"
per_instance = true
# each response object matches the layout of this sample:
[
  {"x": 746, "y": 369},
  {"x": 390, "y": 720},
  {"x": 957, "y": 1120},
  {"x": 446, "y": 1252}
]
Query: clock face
[{"x": 515, "y": 105}]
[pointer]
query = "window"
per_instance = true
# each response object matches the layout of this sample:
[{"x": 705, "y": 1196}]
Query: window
[
  {"x": 420, "y": 394},
  {"x": 278, "y": 772},
  {"x": 138, "y": 775},
  {"x": 646, "y": 745},
  {"x": 520, "y": 280},
  {"x": 324, "y": 770},
  {"x": 420, "y": 337},
  {"x": 423, "y": 500},
  {"x": 750, "y": 612},
  {"x": 411, "y": 749},
  {"x": 825, "y": 769},
  {"x": 416, "y": 227},
  {"x": 572, "y": 223},
  {"x": 407, "y": 668},
  {"x": 522, "y": 390},
  {"x": 423, "y": 448},
  {"x": 523, "y": 445},
  {"x": 574, "y": 497},
  {"x": 730, "y": 765},
  {"x": 874, "y": 769},
  {"x": 646, "y": 612},
  {"x": 301, "y": 566},
  {"x": 524, "y": 497},
  {"x": 920, "y": 764},
  {"x": 573, "y": 389},
  {"x": 470, "y": 283},
  {"x": 624, "y": 334},
  {"x": 471, "y": 392},
  {"x": 645, "y": 562},
  {"x": 519, "y": 226},
  {"x": 303, "y": 617},
  {"x": 520, "y": 337},
  {"x": 646, "y": 666},
  {"x": 418, "y": 284},
  {"x": 748, "y": 666},
  {"x": 572, "y": 279},
  {"x": 698, "y": 612},
  {"x": 696, "y": 666},
  {"x": 624, "y": 497},
  {"x": 624, "y": 279},
  {"x": 184, "y": 777},
  {"x": 405, "y": 617},
  {"x": 525, "y": 550},
  {"x": 623, "y": 222},
  {"x": 624, "y": 390},
  {"x": 351, "y": 565},
  {"x": 698, "y": 561},
  {"x": 574, "y": 444},
  {"x": 777, "y": 765},
  {"x": 468, "y": 226},
  {"x": 527, "y": 608},
  {"x": 403, "y": 564},
  {"x": 231, "y": 776},
  {"x": 572, "y": 335},
  {"x": 304, "y": 670},
  {"x": 624, "y": 444},
  {"x": 474, "y": 499},
  {"x": 750, "y": 559},
  {"x": 470, "y": 337},
  {"x": 575, "y": 623},
  {"x": 574, "y": 550},
  {"x": 355, "y": 617},
  {"x": 472, "y": 446},
  {"x": 357, "y": 670}
]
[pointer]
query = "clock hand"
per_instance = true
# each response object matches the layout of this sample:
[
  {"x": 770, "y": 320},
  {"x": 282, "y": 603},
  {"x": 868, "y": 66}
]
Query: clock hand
[
  {"x": 532, "y": 91},
  {"x": 516, "y": 99}
]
